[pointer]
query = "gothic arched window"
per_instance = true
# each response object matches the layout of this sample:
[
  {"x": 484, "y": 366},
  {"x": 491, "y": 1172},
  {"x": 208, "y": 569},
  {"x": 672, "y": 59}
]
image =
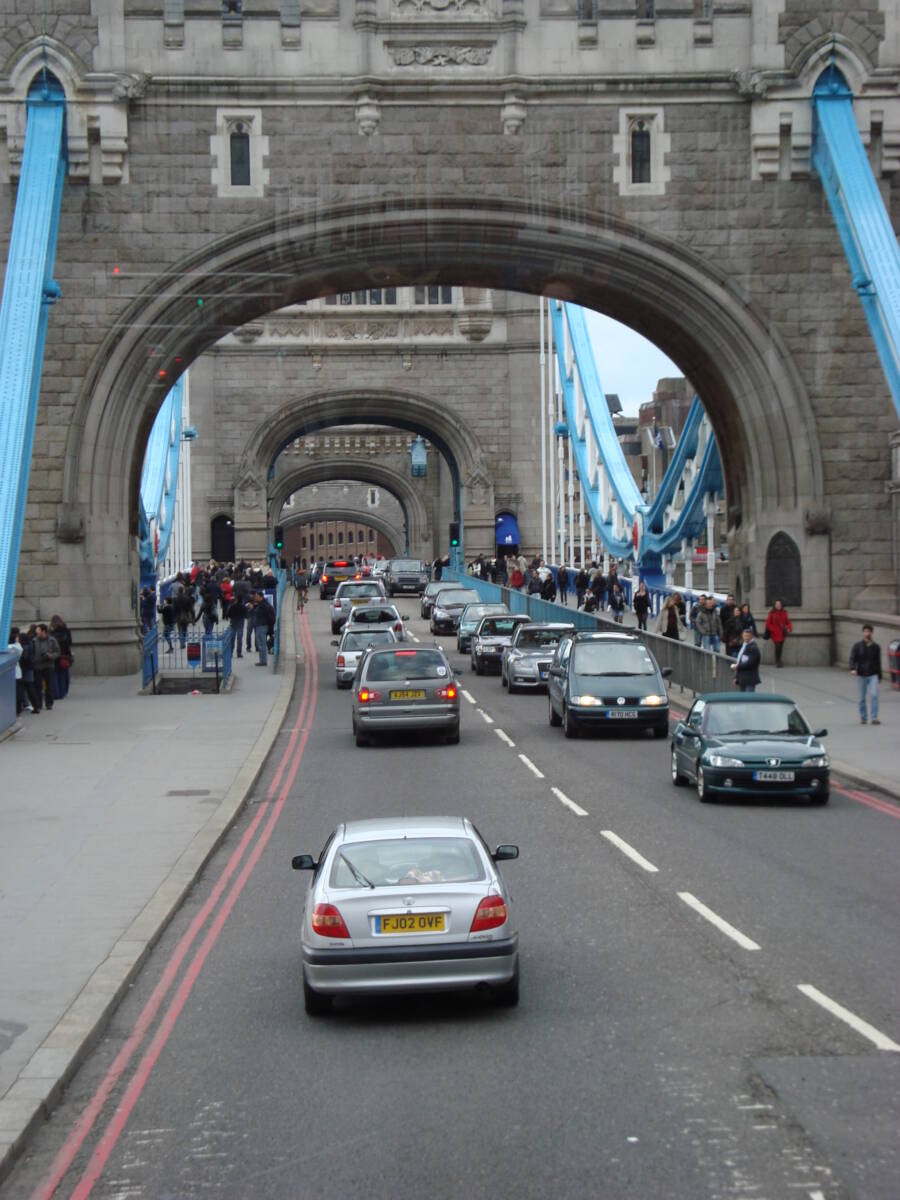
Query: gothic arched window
[{"x": 783, "y": 572}]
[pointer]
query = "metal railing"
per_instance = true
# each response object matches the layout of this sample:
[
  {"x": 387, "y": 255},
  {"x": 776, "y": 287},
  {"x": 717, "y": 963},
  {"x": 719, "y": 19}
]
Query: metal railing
[
  {"x": 281, "y": 576},
  {"x": 693, "y": 669},
  {"x": 170, "y": 653}
]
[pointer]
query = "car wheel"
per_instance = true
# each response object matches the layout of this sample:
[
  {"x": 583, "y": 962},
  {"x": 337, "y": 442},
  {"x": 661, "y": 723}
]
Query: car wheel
[
  {"x": 507, "y": 994},
  {"x": 335, "y": 628},
  {"x": 819, "y": 799},
  {"x": 315, "y": 1003},
  {"x": 703, "y": 794},
  {"x": 660, "y": 732},
  {"x": 361, "y": 739},
  {"x": 569, "y": 727},
  {"x": 453, "y": 738},
  {"x": 677, "y": 778},
  {"x": 555, "y": 721},
  {"x": 503, "y": 682}
]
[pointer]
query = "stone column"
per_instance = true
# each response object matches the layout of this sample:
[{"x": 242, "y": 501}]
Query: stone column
[
  {"x": 251, "y": 526},
  {"x": 478, "y": 516}
]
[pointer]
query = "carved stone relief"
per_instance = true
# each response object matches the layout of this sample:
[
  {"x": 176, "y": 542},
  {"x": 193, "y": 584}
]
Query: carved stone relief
[{"x": 440, "y": 56}]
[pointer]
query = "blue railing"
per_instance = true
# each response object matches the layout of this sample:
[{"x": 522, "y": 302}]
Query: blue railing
[{"x": 206, "y": 653}]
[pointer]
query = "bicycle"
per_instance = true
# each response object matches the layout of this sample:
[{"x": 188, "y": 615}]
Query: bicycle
[{"x": 302, "y": 597}]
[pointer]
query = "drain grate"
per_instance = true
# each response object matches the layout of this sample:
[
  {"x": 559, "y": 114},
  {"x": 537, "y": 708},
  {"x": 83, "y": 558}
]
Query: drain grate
[{"x": 189, "y": 792}]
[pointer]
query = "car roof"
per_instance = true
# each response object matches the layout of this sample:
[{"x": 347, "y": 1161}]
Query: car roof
[
  {"x": 551, "y": 626},
  {"x": 392, "y": 827},
  {"x": 590, "y": 635},
  {"x": 743, "y": 698}
]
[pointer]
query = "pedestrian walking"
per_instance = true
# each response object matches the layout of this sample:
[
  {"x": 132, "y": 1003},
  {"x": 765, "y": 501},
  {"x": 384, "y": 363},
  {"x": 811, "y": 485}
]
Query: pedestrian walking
[
  {"x": 562, "y": 582},
  {"x": 709, "y": 625},
  {"x": 167, "y": 612},
  {"x": 148, "y": 609},
  {"x": 669, "y": 623},
  {"x": 582, "y": 583},
  {"x": 746, "y": 665},
  {"x": 695, "y": 610},
  {"x": 263, "y": 626},
  {"x": 641, "y": 605},
  {"x": 747, "y": 621},
  {"x": 14, "y": 648},
  {"x": 778, "y": 626},
  {"x": 26, "y": 666},
  {"x": 617, "y": 602},
  {"x": 46, "y": 652},
  {"x": 183, "y": 604},
  {"x": 865, "y": 664},
  {"x": 60, "y": 630}
]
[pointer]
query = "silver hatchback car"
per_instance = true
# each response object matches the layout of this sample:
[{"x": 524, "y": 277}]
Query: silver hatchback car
[
  {"x": 396, "y": 690},
  {"x": 407, "y": 904},
  {"x": 351, "y": 648}
]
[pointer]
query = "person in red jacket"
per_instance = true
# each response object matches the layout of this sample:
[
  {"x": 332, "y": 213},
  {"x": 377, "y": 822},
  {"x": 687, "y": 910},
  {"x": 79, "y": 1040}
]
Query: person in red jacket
[{"x": 778, "y": 626}]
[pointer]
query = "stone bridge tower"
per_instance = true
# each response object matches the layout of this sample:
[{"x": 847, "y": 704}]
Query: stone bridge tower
[{"x": 228, "y": 161}]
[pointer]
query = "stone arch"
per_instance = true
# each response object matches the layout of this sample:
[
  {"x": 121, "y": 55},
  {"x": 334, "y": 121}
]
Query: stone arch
[
  {"x": 704, "y": 321},
  {"x": 392, "y": 481},
  {"x": 784, "y": 571},
  {"x": 394, "y": 535}
]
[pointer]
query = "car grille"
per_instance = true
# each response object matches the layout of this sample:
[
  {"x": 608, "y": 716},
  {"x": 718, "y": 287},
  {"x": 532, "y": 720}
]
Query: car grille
[{"x": 613, "y": 701}]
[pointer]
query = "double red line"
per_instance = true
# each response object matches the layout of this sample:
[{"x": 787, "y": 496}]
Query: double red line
[{"x": 218, "y": 906}]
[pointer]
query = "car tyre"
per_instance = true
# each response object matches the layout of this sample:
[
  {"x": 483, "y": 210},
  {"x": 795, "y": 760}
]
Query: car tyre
[
  {"x": 453, "y": 737},
  {"x": 335, "y": 628},
  {"x": 677, "y": 778},
  {"x": 555, "y": 721},
  {"x": 507, "y": 994},
  {"x": 316, "y": 1003},
  {"x": 820, "y": 799},
  {"x": 361, "y": 739},
  {"x": 570, "y": 729},
  {"x": 660, "y": 732},
  {"x": 503, "y": 682},
  {"x": 703, "y": 793}
]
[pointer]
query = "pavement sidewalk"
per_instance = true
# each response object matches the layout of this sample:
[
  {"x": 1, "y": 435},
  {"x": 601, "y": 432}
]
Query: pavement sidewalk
[{"x": 110, "y": 807}]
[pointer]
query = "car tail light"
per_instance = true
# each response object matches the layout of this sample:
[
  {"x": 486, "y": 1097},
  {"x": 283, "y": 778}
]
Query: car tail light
[
  {"x": 340, "y": 660},
  {"x": 328, "y": 922},
  {"x": 398, "y": 628},
  {"x": 490, "y": 913},
  {"x": 366, "y": 697},
  {"x": 324, "y": 578},
  {"x": 447, "y": 693}
]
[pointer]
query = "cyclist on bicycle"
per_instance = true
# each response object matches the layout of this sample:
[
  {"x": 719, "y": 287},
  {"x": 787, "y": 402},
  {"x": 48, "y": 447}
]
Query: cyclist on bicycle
[{"x": 302, "y": 586}]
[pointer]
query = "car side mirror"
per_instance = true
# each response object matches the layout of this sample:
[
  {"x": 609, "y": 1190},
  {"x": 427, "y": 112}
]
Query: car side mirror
[
  {"x": 680, "y": 729},
  {"x": 821, "y": 733},
  {"x": 503, "y": 852},
  {"x": 666, "y": 672},
  {"x": 303, "y": 862},
  {"x": 404, "y": 616},
  {"x": 335, "y": 643}
]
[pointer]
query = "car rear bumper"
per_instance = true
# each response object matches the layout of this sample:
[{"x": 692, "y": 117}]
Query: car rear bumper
[
  {"x": 384, "y": 721},
  {"x": 810, "y": 782},
  {"x": 404, "y": 968}
]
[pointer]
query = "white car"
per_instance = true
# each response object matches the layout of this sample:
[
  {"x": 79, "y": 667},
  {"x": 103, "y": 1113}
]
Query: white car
[
  {"x": 377, "y": 615},
  {"x": 352, "y": 594},
  {"x": 407, "y": 904},
  {"x": 351, "y": 647}
]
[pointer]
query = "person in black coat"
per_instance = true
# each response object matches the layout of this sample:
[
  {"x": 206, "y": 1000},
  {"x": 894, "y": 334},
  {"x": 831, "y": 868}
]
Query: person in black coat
[{"x": 746, "y": 665}]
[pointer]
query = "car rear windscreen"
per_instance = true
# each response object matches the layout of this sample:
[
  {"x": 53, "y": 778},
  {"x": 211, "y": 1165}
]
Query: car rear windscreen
[
  {"x": 407, "y": 862},
  {"x": 406, "y": 664},
  {"x": 359, "y": 641},
  {"x": 372, "y": 616}
]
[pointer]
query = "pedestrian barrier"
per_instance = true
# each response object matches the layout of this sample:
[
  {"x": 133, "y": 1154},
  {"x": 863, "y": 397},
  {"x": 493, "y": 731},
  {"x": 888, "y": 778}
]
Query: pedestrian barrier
[
  {"x": 184, "y": 657},
  {"x": 894, "y": 663},
  {"x": 693, "y": 669},
  {"x": 276, "y": 601}
]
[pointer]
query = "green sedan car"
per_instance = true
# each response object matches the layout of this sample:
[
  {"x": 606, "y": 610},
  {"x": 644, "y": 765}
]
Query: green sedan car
[{"x": 744, "y": 744}]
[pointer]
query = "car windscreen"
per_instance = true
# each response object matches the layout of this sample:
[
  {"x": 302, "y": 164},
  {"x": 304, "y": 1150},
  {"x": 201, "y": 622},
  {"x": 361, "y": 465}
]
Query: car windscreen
[
  {"x": 612, "y": 658},
  {"x": 497, "y": 626},
  {"x": 407, "y": 564},
  {"x": 349, "y": 590},
  {"x": 767, "y": 716},
  {"x": 463, "y": 596},
  {"x": 372, "y": 616},
  {"x": 538, "y": 638},
  {"x": 359, "y": 641},
  {"x": 406, "y": 862},
  {"x": 432, "y": 589},
  {"x": 406, "y": 664}
]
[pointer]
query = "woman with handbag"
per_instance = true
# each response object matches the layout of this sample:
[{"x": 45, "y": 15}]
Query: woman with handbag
[{"x": 60, "y": 630}]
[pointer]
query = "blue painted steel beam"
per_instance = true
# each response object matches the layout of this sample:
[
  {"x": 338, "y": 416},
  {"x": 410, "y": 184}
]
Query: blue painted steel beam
[
  {"x": 862, "y": 220},
  {"x": 686, "y": 448},
  {"x": 159, "y": 481},
  {"x": 691, "y": 519},
  {"x": 28, "y": 291}
]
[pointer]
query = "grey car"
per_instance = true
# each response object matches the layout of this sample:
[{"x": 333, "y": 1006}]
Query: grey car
[
  {"x": 426, "y": 603},
  {"x": 370, "y": 617},
  {"x": 468, "y": 622},
  {"x": 398, "y": 690},
  {"x": 491, "y": 637},
  {"x": 448, "y": 606},
  {"x": 407, "y": 904},
  {"x": 352, "y": 594},
  {"x": 351, "y": 648},
  {"x": 525, "y": 664}
]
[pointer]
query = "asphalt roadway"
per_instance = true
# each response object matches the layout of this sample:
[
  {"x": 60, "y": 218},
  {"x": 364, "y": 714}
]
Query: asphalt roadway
[{"x": 662, "y": 1048}]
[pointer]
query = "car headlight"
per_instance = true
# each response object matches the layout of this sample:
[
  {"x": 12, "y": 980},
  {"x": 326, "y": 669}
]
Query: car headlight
[
  {"x": 587, "y": 701},
  {"x": 653, "y": 699},
  {"x": 722, "y": 760},
  {"x": 820, "y": 761},
  {"x": 439, "y": 612}
]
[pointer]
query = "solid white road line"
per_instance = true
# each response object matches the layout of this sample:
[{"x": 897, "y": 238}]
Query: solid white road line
[
  {"x": 719, "y": 922},
  {"x": 486, "y": 717},
  {"x": 531, "y": 767},
  {"x": 844, "y": 1014},
  {"x": 629, "y": 850},
  {"x": 564, "y": 799},
  {"x": 504, "y": 737},
  {"x": 468, "y": 696}
]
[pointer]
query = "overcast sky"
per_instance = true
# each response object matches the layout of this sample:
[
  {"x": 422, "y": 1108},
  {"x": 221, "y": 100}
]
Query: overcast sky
[{"x": 627, "y": 363}]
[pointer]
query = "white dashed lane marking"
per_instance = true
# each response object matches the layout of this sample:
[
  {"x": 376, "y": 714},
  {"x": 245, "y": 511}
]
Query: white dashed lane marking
[
  {"x": 628, "y": 850},
  {"x": 844, "y": 1014},
  {"x": 531, "y": 767},
  {"x": 564, "y": 799},
  {"x": 486, "y": 717},
  {"x": 504, "y": 737},
  {"x": 719, "y": 922},
  {"x": 468, "y": 696}
]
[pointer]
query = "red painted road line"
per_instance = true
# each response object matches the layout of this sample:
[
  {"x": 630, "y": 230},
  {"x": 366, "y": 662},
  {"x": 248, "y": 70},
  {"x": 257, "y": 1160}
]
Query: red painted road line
[
  {"x": 113, "y": 1131},
  {"x": 882, "y": 806},
  {"x": 309, "y": 646},
  {"x": 64, "y": 1158}
]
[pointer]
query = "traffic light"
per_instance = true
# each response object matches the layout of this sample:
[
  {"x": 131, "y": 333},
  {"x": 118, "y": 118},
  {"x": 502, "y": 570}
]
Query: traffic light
[
  {"x": 454, "y": 533},
  {"x": 279, "y": 537}
]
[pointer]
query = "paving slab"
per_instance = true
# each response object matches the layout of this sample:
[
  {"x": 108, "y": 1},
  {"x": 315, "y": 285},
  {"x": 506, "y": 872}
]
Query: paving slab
[{"x": 111, "y": 805}]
